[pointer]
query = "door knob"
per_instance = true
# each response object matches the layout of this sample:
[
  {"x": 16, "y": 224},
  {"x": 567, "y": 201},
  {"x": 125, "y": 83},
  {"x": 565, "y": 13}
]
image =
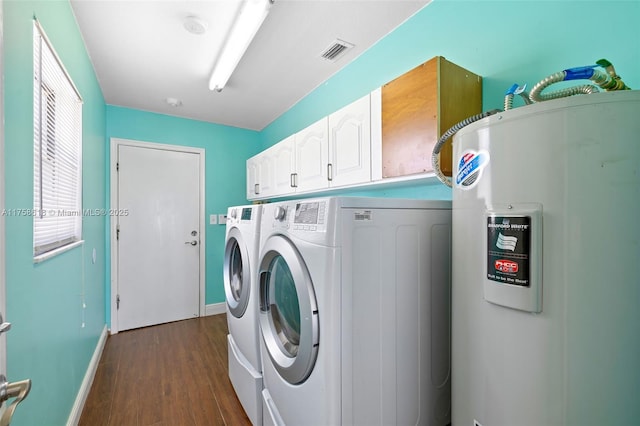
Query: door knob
[
  {"x": 18, "y": 390},
  {"x": 4, "y": 326},
  {"x": 193, "y": 243}
]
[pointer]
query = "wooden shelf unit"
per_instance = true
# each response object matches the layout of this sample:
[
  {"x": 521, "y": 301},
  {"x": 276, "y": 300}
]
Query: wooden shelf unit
[{"x": 418, "y": 107}]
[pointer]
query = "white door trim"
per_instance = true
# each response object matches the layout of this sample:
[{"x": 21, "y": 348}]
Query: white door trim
[
  {"x": 3, "y": 358},
  {"x": 113, "y": 176}
]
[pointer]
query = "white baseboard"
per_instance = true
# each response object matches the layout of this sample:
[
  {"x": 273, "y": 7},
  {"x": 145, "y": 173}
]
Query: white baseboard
[
  {"x": 215, "y": 309},
  {"x": 85, "y": 387}
]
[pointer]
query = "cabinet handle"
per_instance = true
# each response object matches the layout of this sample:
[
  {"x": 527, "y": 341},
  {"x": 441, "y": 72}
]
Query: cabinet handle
[
  {"x": 294, "y": 180},
  {"x": 330, "y": 172},
  {"x": 256, "y": 188}
]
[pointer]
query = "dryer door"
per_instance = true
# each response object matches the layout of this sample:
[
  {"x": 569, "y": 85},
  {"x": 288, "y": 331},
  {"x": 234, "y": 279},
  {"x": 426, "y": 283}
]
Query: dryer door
[
  {"x": 288, "y": 310},
  {"x": 237, "y": 275}
]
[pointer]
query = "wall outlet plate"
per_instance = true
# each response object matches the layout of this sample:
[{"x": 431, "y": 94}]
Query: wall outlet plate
[
  {"x": 222, "y": 219},
  {"x": 213, "y": 219}
]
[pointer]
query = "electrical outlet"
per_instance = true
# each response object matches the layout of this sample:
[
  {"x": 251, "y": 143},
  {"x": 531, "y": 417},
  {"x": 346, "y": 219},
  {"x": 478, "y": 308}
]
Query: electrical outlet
[
  {"x": 222, "y": 219},
  {"x": 213, "y": 219}
]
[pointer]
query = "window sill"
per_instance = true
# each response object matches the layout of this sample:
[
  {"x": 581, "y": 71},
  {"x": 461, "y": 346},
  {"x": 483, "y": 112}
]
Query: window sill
[{"x": 48, "y": 255}]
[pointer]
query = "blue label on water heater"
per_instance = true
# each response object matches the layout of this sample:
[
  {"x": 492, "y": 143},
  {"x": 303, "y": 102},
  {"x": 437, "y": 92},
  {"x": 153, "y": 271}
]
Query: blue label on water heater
[{"x": 470, "y": 168}]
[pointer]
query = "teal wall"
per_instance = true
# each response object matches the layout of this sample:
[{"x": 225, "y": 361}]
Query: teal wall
[
  {"x": 503, "y": 41},
  {"x": 226, "y": 150},
  {"x": 48, "y": 342}
]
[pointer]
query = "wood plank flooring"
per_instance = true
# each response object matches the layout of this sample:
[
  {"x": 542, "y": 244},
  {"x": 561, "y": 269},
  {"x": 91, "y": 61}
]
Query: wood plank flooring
[{"x": 172, "y": 374}]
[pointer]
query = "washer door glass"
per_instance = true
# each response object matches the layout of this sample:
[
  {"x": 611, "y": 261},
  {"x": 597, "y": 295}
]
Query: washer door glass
[
  {"x": 288, "y": 311},
  {"x": 284, "y": 307},
  {"x": 237, "y": 276}
]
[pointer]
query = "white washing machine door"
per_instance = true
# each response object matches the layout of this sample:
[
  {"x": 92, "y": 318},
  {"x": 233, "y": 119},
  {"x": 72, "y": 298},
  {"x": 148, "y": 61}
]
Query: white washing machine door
[
  {"x": 288, "y": 310},
  {"x": 237, "y": 273}
]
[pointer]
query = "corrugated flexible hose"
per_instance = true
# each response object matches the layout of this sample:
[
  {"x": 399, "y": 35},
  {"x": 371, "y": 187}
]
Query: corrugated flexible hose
[{"x": 435, "y": 156}]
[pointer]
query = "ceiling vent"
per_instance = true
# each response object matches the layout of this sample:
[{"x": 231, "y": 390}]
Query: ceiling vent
[{"x": 336, "y": 50}]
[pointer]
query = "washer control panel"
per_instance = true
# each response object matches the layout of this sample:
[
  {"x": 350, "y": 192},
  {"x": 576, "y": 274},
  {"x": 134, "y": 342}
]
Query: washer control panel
[{"x": 310, "y": 216}]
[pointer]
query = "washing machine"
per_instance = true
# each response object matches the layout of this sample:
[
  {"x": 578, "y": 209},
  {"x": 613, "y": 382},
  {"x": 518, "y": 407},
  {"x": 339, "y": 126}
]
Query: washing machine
[
  {"x": 241, "y": 291},
  {"x": 355, "y": 311}
]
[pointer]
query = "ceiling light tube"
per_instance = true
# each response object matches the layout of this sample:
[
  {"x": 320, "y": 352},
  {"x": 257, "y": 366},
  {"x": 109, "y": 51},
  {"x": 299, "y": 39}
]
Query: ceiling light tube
[{"x": 242, "y": 33}]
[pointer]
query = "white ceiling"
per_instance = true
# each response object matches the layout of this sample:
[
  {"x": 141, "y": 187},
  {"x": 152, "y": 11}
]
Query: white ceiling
[{"x": 143, "y": 55}]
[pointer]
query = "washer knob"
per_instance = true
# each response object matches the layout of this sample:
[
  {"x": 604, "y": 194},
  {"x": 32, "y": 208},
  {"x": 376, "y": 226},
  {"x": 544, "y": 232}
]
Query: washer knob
[
  {"x": 280, "y": 213},
  {"x": 234, "y": 213}
]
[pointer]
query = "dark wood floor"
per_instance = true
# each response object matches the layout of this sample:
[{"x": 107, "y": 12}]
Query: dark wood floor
[{"x": 172, "y": 374}]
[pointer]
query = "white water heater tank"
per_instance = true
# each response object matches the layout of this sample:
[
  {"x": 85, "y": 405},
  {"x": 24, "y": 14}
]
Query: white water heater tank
[{"x": 546, "y": 265}]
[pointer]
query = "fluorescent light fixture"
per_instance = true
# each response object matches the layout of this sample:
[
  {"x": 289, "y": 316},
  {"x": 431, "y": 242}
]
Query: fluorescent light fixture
[{"x": 242, "y": 33}]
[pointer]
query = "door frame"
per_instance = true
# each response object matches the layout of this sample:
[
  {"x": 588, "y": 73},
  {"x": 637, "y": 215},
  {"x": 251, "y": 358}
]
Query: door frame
[
  {"x": 3, "y": 294},
  {"x": 113, "y": 175}
]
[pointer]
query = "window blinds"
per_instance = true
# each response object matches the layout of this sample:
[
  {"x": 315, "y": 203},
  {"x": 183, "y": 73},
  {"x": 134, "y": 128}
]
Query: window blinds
[{"x": 57, "y": 171}]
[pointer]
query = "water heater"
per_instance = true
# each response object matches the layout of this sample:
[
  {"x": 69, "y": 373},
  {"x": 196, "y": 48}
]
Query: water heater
[{"x": 546, "y": 265}]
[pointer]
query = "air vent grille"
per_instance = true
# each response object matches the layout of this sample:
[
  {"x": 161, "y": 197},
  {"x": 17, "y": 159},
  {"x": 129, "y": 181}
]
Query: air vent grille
[{"x": 335, "y": 50}]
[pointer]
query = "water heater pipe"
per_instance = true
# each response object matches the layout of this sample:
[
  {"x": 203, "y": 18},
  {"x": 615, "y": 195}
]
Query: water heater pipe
[
  {"x": 607, "y": 81},
  {"x": 435, "y": 156}
]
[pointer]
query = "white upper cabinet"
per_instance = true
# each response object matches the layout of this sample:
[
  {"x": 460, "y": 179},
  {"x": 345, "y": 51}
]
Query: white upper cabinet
[
  {"x": 260, "y": 178},
  {"x": 283, "y": 163},
  {"x": 335, "y": 151},
  {"x": 252, "y": 177},
  {"x": 350, "y": 144},
  {"x": 347, "y": 148},
  {"x": 266, "y": 176},
  {"x": 312, "y": 157}
]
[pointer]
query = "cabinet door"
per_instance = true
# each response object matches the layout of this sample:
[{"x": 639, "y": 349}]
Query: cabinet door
[
  {"x": 418, "y": 107},
  {"x": 253, "y": 186},
  {"x": 350, "y": 144},
  {"x": 312, "y": 156},
  {"x": 264, "y": 171},
  {"x": 410, "y": 121},
  {"x": 283, "y": 164}
]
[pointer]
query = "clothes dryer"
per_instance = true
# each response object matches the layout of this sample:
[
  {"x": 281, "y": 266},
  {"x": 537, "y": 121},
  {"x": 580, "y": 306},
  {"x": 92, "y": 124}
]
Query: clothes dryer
[
  {"x": 241, "y": 291},
  {"x": 355, "y": 311}
]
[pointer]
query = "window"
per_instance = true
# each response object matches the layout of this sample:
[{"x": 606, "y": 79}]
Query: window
[{"x": 57, "y": 165}]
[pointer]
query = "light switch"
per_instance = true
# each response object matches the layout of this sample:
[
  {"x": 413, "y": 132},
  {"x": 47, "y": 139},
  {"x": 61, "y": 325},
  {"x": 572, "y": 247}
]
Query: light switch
[{"x": 213, "y": 219}]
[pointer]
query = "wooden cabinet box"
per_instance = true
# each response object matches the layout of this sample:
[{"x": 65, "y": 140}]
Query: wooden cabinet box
[{"x": 418, "y": 107}]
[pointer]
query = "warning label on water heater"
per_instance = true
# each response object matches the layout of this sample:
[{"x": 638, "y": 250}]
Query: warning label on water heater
[{"x": 509, "y": 249}]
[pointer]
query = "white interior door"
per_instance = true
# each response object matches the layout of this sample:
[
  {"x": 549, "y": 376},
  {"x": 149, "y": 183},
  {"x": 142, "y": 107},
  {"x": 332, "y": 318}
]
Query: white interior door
[{"x": 158, "y": 236}]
